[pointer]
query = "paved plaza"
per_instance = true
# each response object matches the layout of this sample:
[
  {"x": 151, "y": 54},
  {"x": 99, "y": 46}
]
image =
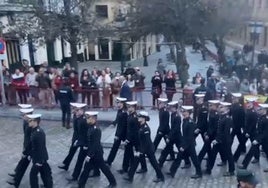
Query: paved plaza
[{"x": 58, "y": 141}]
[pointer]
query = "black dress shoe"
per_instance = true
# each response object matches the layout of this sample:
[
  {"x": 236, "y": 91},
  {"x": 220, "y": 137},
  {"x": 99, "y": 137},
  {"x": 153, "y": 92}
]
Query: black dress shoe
[
  {"x": 94, "y": 175},
  {"x": 63, "y": 167},
  {"x": 111, "y": 185},
  {"x": 186, "y": 166},
  {"x": 12, "y": 183},
  {"x": 196, "y": 176},
  {"x": 265, "y": 170},
  {"x": 170, "y": 174},
  {"x": 128, "y": 179},
  {"x": 157, "y": 180},
  {"x": 221, "y": 164},
  {"x": 254, "y": 161},
  {"x": 228, "y": 174},
  {"x": 71, "y": 179},
  {"x": 12, "y": 175},
  {"x": 141, "y": 171},
  {"x": 121, "y": 171}
]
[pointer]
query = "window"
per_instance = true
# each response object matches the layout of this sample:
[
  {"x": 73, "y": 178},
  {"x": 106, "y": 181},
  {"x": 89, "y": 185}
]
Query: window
[{"x": 102, "y": 11}]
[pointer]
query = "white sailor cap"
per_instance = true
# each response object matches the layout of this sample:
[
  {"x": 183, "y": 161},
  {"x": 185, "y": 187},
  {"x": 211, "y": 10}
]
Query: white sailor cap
[
  {"x": 91, "y": 113},
  {"x": 214, "y": 101},
  {"x": 120, "y": 99},
  {"x": 73, "y": 104},
  {"x": 225, "y": 103},
  {"x": 132, "y": 103},
  {"x": 263, "y": 105},
  {"x": 173, "y": 103},
  {"x": 25, "y": 105},
  {"x": 251, "y": 99},
  {"x": 237, "y": 95},
  {"x": 187, "y": 108},
  {"x": 34, "y": 116},
  {"x": 199, "y": 95},
  {"x": 79, "y": 105},
  {"x": 26, "y": 110},
  {"x": 162, "y": 100},
  {"x": 143, "y": 114}
]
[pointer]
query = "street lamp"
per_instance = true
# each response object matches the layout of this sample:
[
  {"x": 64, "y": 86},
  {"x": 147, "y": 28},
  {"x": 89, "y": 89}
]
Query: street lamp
[{"x": 256, "y": 29}]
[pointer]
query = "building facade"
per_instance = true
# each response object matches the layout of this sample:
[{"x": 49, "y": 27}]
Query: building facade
[{"x": 102, "y": 48}]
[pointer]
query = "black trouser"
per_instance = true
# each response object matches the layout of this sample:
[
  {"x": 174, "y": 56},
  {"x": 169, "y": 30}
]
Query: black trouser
[
  {"x": 66, "y": 114},
  {"x": 70, "y": 156},
  {"x": 96, "y": 162},
  {"x": 157, "y": 140},
  {"x": 21, "y": 169},
  {"x": 242, "y": 141},
  {"x": 79, "y": 164},
  {"x": 227, "y": 148},
  {"x": 114, "y": 150},
  {"x": 140, "y": 159},
  {"x": 252, "y": 152},
  {"x": 167, "y": 150},
  {"x": 181, "y": 155},
  {"x": 206, "y": 149},
  {"x": 45, "y": 171},
  {"x": 129, "y": 157}
]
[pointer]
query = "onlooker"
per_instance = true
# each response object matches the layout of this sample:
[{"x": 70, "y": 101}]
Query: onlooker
[
  {"x": 161, "y": 67},
  {"x": 95, "y": 88},
  {"x": 244, "y": 87},
  {"x": 253, "y": 87},
  {"x": 56, "y": 82},
  {"x": 108, "y": 72},
  {"x": 18, "y": 81},
  {"x": 74, "y": 84},
  {"x": 197, "y": 78},
  {"x": 125, "y": 91},
  {"x": 138, "y": 79},
  {"x": 184, "y": 76},
  {"x": 67, "y": 70},
  {"x": 116, "y": 85},
  {"x": 85, "y": 83},
  {"x": 44, "y": 84},
  {"x": 210, "y": 71},
  {"x": 7, "y": 82},
  {"x": 32, "y": 84},
  {"x": 104, "y": 81},
  {"x": 156, "y": 87},
  {"x": 170, "y": 81},
  {"x": 211, "y": 84},
  {"x": 220, "y": 89}
]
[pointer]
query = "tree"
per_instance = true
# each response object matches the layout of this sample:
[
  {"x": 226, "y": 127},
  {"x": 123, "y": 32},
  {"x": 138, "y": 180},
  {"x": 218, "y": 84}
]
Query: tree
[{"x": 72, "y": 20}]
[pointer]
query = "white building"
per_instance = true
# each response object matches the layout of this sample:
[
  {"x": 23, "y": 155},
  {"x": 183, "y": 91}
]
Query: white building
[{"x": 108, "y": 48}]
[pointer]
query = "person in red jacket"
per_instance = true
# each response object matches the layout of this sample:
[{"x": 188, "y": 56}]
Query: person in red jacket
[
  {"x": 18, "y": 81},
  {"x": 56, "y": 83},
  {"x": 74, "y": 84}
]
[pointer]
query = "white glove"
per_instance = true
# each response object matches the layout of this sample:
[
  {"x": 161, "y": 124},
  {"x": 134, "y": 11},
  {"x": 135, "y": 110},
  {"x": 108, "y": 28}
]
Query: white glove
[
  {"x": 75, "y": 143},
  {"x": 38, "y": 164},
  {"x": 137, "y": 154},
  {"x": 181, "y": 149},
  {"x": 247, "y": 135},
  {"x": 255, "y": 142},
  {"x": 116, "y": 138},
  {"x": 85, "y": 148},
  {"x": 214, "y": 142},
  {"x": 87, "y": 159},
  {"x": 29, "y": 158},
  {"x": 197, "y": 131}
]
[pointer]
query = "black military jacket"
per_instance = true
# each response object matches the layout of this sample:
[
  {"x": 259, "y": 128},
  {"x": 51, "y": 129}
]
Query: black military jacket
[
  {"x": 94, "y": 142},
  {"x": 175, "y": 131},
  {"x": 65, "y": 95},
  {"x": 224, "y": 129},
  {"x": 188, "y": 136},
  {"x": 238, "y": 116},
  {"x": 262, "y": 130},
  {"x": 27, "y": 138},
  {"x": 202, "y": 119},
  {"x": 251, "y": 122},
  {"x": 133, "y": 129},
  {"x": 213, "y": 120},
  {"x": 39, "y": 152},
  {"x": 82, "y": 129},
  {"x": 146, "y": 144},
  {"x": 121, "y": 121},
  {"x": 163, "y": 121}
]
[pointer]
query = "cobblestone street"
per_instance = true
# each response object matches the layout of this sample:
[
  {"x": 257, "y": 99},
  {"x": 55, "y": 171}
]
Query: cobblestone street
[{"x": 58, "y": 140}]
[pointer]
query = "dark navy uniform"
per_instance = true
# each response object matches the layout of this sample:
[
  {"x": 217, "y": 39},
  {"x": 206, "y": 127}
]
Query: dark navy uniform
[
  {"x": 261, "y": 137},
  {"x": 163, "y": 129},
  {"x": 132, "y": 141},
  {"x": 95, "y": 153},
  {"x": 120, "y": 134},
  {"x": 238, "y": 117},
  {"x": 188, "y": 144},
  {"x": 250, "y": 131},
  {"x": 73, "y": 147},
  {"x": 146, "y": 147},
  {"x": 39, "y": 158},
  {"x": 224, "y": 143},
  {"x": 65, "y": 97},
  {"x": 174, "y": 137}
]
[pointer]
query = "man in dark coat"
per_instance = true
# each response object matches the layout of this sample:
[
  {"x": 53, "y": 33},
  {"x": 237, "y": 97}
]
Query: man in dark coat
[
  {"x": 121, "y": 129},
  {"x": 223, "y": 140},
  {"x": 39, "y": 154},
  {"x": 94, "y": 156},
  {"x": 146, "y": 147},
  {"x": 125, "y": 91},
  {"x": 187, "y": 146}
]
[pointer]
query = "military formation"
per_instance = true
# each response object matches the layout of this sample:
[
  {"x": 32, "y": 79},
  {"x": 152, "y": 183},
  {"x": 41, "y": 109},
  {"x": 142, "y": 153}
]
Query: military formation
[{"x": 217, "y": 122}]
